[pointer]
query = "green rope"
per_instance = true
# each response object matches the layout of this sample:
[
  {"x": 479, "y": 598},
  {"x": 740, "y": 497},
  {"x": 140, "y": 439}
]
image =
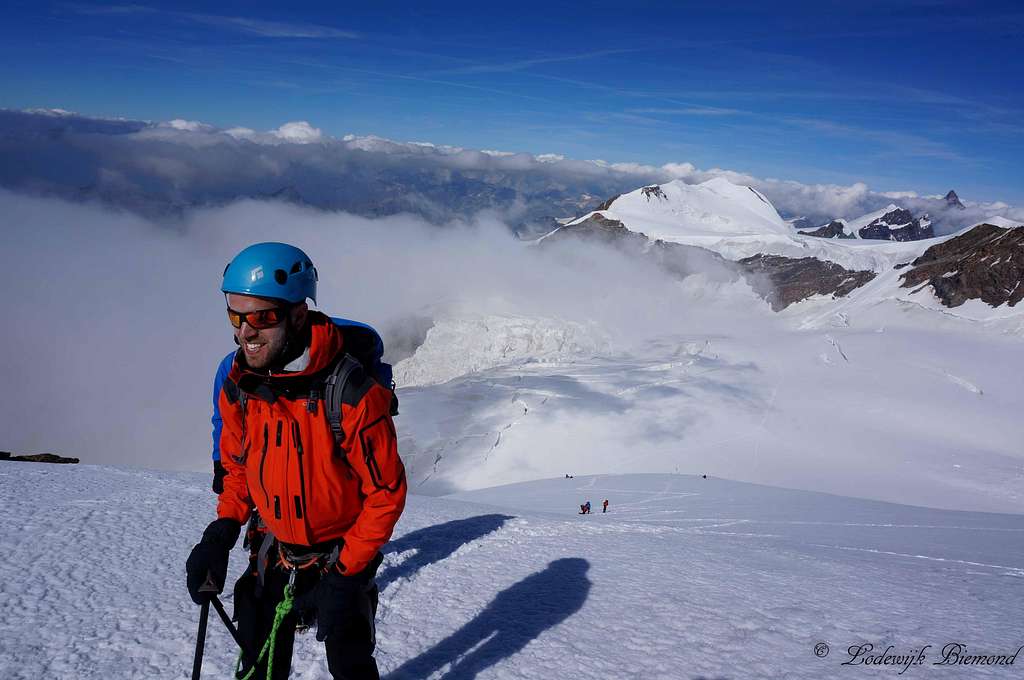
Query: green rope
[{"x": 284, "y": 607}]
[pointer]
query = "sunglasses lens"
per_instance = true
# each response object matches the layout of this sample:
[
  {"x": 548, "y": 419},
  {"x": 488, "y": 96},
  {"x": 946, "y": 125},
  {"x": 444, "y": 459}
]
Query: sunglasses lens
[
  {"x": 265, "y": 318},
  {"x": 260, "y": 319}
]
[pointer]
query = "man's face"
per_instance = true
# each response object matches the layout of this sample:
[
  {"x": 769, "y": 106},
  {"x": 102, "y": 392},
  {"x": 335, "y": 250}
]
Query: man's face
[{"x": 262, "y": 347}]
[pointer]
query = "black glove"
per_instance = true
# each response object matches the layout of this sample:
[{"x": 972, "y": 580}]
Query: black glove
[
  {"x": 210, "y": 557},
  {"x": 338, "y": 599},
  {"x": 219, "y": 473}
]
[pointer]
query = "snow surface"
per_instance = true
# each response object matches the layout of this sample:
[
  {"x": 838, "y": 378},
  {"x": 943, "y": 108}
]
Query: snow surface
[
  {"x": 684, "y": 577},
  {"x": 889, "y": 400},
  {"x": 471, "y": 343}
]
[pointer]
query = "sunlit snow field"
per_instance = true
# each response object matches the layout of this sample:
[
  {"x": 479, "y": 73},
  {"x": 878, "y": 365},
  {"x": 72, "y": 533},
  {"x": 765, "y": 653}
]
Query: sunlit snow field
[{"x": 684, "y": 577}]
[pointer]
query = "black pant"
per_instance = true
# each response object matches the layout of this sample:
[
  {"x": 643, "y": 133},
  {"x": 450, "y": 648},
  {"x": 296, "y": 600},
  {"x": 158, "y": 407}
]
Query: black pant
[{"x": 349, "y": 652}]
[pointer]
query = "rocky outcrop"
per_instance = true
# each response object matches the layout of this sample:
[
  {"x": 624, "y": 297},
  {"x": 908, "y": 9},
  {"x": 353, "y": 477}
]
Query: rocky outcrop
[
  {"x": 781, "y": 281},
  {"x": 834, "y": 229},
  {"x": 953, "y": 201},
  {"x": 898, "y": 225},
  {"x": 597, "y": 227},
  {"x": 37, "y": 458},
  {"x": 985, "y": 263},
  {"x": 653, "y": 191}
]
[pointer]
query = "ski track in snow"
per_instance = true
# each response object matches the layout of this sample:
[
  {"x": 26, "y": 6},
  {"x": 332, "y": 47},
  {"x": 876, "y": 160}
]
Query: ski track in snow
[{"x": 684, "y": 577}]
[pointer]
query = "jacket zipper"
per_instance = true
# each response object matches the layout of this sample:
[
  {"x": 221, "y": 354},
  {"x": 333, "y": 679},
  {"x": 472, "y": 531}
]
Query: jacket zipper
[
  {"x": 302, "y": 475},
  {"x": 263, "y": 460},
  {"x": 371, "y": 463}
]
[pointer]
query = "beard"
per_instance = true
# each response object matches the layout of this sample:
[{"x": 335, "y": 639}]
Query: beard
[{"x": 276, "y": 348}]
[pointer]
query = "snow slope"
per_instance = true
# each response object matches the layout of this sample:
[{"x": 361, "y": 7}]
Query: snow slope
[
  {"x": 684, "y": 577},
  {"x": 713, "y": 208},
  {"x": 891, "y": 401}
]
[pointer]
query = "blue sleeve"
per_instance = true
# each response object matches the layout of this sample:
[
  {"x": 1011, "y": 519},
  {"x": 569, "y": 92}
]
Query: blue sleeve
[{"x": 218, "y": 383}]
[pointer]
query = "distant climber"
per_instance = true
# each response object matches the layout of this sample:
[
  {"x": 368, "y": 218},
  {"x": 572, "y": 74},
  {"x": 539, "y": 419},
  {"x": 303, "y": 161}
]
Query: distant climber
[{"x": 604, "y": 505}]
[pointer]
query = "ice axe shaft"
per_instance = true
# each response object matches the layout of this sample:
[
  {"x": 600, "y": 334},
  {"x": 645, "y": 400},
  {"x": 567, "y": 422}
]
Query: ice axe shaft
[
  {"x": 197, "y": 663},
  {"x": 209, "y": 586},
  {"x": 247, "y": 654}
]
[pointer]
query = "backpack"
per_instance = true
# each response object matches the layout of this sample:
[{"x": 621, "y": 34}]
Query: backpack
[{"x": 364, "y": 349}]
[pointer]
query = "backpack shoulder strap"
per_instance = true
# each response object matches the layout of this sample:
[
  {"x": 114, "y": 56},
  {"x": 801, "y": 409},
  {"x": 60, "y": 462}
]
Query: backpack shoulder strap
[{"x": 345, "y": 384}]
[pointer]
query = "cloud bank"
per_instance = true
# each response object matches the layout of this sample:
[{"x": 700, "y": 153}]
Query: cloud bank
[
  {"x": 114, "y": 324},
  {"x": 162, "y": 169}
]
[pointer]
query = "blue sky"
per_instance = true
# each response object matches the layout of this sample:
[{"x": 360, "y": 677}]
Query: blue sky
[{"x": 921, "y": 96}]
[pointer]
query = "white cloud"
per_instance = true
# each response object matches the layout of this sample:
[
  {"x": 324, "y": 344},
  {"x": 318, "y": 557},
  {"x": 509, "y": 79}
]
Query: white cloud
[
  {"x": 240, "y": 133},
  {"x": 132, "y": 308},
  {"x": 299, "y": 132},
  {"x": 187, "y": 125},
  {"x": 52, "y": 112},
  {"x": 195, "y": 163}
]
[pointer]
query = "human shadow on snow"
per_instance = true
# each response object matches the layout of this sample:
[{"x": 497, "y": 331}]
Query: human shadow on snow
[
  {"x": 435, "y": 543},
  {"x": 516, "y": 616}
]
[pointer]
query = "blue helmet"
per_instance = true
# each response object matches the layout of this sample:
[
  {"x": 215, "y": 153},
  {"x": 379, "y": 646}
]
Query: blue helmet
[{"x": 272, "y": 270}]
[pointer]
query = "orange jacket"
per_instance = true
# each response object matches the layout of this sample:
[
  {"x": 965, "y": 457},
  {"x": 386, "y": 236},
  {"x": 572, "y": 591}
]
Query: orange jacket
[{"x": 281, "y": 456}]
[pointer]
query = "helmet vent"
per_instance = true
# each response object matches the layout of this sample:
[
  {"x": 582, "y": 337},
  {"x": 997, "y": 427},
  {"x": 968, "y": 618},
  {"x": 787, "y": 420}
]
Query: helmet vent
[
  {"x": 281, "y": 276},
  {"x": 296, "y": 268}
]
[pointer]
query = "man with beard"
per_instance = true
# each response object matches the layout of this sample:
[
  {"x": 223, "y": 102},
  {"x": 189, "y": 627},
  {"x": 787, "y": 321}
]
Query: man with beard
[{"x": 308, "y": 443}]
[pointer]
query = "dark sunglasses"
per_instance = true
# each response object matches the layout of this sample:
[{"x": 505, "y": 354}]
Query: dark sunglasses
[{"x": 260, "y": 319}]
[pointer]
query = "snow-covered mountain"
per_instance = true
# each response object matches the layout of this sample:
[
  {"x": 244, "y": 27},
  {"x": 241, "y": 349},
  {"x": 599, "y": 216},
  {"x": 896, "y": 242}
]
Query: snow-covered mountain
[
  {"x": 783, "y": 264},
  {"x": 891, "y": 223},
  {"x": 682, "y": 577},
  {"x": 678, "y": 211}
]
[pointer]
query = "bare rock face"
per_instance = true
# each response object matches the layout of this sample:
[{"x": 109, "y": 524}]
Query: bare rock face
[
  {"x": 985, "y": 263},
  {"x": 597, "y": 227},
  {"x": 653, "y": 191},
  {"x": 785, "y": 280},
  {"x": 898, "y": 225},
  {"x": 37, "y": 458},
  {"x": 833, "y": 229}
]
